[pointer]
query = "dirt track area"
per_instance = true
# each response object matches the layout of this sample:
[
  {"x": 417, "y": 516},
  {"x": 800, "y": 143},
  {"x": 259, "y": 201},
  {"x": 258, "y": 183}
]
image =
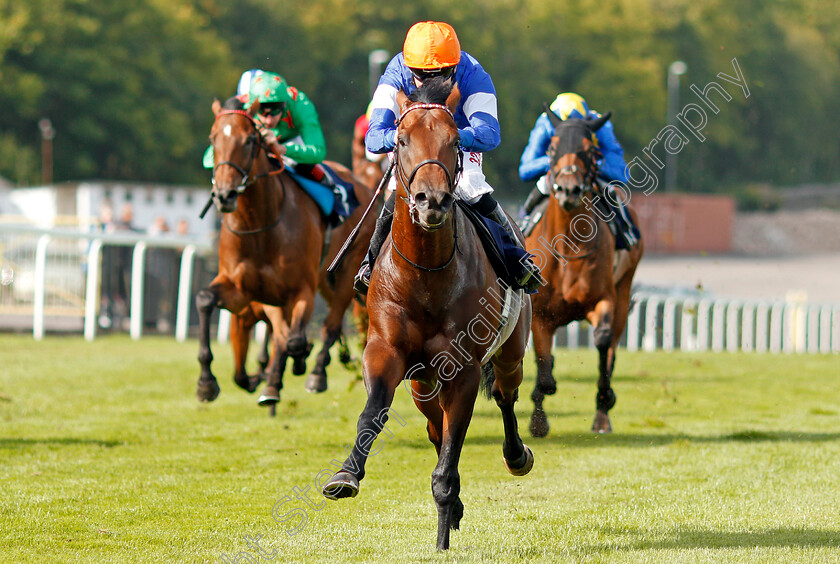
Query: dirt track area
[{"x": 773, "y": 254}]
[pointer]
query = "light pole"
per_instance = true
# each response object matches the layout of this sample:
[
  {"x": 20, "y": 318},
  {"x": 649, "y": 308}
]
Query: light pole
[
  {"x": 47, "y": 135},
  {"x": 376, "y": 58},
  {"x": 675, "y": 70}
]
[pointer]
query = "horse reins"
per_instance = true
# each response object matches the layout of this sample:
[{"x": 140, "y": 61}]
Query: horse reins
[{"x": 451, "y": 179}]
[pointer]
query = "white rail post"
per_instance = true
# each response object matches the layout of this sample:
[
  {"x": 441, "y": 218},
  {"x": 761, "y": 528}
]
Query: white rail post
[
  {"x": 718, "y": 325},
  {"x": 633, "y": 324},
  {"x": 748, "y": 328},
  {"x": 651, "y": 324},
  {"x": 762, "y": 327},
  {"x": 789, "y": 327},
  {"x": 732, "y": 327},
  {"x": 573, "y": 335},
  {"x": 777, "y": 328},
  {"x": 704, "y": 314},
  {"x": 224, "y": 326},
  {"x": 688, "y": 338},
  {"x": 40, "y": 287},
  {"x": 669, "y": 325},
  {"x": 182, "y": 316},
  {"x": 92, "y": 288},
  {"x": 825, "y": 329},
  {"x": 813, "y": 335},
  {"x": 138, "y": 271},
  {"x": 835, "y": 330}
]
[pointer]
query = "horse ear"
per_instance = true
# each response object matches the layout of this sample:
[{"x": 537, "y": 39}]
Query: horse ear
[
  {"x": 552, "y": 117},
  {"x": 453, "y": 99},
  {"x": 254, "y": 108},
  {"x": 217, "y": 106},
  {"x": 598, "y": 123},
  {"x": 402, "y": 100}
]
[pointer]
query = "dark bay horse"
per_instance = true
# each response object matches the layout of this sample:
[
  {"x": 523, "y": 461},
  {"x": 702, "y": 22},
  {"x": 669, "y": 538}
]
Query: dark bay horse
[
  {"x": 270, "y": 250},
  {"x": 586, "y": 278},
  {"x": 433, "y": 303}
]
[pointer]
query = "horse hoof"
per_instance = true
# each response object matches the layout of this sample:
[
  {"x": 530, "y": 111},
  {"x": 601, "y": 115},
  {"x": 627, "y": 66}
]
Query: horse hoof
[
  {"x": 601, "y": 424},
  {"x": 539, "y": 424},
  {"x": 523, "y": 465},
  {"x": 316, "y": 383},
  {"x": 299, "y": 366},
  {"x": 342, "y": 484},
  {"x": 269, "y": 396},
  {"x": 207, "y": 390},
  {"x": 250, "y": 383}
]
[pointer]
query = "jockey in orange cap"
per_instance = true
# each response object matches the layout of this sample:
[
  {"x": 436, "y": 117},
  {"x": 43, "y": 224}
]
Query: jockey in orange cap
[{"x": 432, "y": 49}]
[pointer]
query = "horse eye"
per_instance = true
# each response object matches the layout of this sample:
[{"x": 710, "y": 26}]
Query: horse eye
[{"x": 401, "y": 141}]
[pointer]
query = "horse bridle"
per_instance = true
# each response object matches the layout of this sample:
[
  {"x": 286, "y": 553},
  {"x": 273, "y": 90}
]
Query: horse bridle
[
  {"x": 451, "y": 178},
  {"x": 588, "y": 156},
  {"x": 246, "y": 180},
  {"x": 257, "y": 145}
]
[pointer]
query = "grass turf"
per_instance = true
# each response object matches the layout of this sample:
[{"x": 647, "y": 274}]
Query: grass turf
[{"x": 106, "y": 456}]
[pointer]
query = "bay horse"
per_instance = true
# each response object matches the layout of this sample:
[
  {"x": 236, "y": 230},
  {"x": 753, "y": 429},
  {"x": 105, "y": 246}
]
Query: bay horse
[
  {"x": 431, "y": 289},
  {"x": 270, "y": 250},
  {"x": 584, "y": 279}
]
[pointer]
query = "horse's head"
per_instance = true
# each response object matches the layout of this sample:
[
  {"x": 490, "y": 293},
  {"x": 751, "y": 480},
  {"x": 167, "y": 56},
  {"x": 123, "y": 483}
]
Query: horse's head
[
  {"x": 236, "y": 145},
  {"x": 428, "y": 151},
  {"x": 573, "y": 166}
]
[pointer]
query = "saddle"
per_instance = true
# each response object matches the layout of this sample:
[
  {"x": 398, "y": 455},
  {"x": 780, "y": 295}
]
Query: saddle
[
  {"x": 337, "y": 203},
  {"x": 504, "y": 254}
]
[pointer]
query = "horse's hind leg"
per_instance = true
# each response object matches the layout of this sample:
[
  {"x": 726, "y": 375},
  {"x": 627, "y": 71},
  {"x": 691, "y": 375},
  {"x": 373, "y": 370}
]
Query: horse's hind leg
[
  {"x": 602, "y": 319},
  {"x": 505, "y": 390},
  {"x": 330, "y": 332},
  {"x": 545, "y": 384},
  {"x": 297, "y": 347},
  {"x": 240, "y": 329}
]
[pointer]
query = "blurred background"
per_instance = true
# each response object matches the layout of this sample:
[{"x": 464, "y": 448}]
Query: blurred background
[{"x": 107, "y": 112}]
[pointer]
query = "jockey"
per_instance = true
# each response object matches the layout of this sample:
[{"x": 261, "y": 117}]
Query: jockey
[
  {"x": 289, "y": 124},
  {"x": 431, "y": 49},
  {"x": 534, "y": 162}
]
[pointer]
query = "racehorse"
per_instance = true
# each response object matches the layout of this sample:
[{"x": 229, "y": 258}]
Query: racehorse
[
  {"x": 584, "y": 278},
  {"x": 368, "y": 171},
  {"x": 270, "y": 250},
  {"x": 430, "y": 298}
]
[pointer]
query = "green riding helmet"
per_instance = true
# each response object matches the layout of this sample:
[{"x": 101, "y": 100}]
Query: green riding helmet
[{"x": 269, "y": 87}]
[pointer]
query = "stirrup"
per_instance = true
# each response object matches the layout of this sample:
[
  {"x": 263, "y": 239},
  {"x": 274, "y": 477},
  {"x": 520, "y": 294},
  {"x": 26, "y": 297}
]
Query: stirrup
[
  {"x": 361, "y": 282},
  {"x": 531, "y": 279}
]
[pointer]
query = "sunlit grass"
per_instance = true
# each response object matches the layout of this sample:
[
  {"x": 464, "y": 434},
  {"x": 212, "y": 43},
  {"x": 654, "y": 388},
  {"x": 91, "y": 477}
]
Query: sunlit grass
[{"x": 106, "y": 456}]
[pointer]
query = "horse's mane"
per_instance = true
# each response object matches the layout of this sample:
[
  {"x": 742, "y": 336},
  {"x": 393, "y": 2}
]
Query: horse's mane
[{"x": 433, "y": 91}]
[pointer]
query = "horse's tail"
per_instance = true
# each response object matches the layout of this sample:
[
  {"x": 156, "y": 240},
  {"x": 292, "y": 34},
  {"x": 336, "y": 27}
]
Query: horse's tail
[{"x": 488, "y": 376}]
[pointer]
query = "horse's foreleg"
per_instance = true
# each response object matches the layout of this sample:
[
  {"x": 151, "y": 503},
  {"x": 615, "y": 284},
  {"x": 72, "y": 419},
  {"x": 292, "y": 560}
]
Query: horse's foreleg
[
  {"x": 384, "y": 369},
  {"x": 208, "y": 387},
  {"x": 508, "y": 376},
  {"x": 297, "y": 347},
  {"x": 274, "y": 375},
  {"x": 457, "y": 400},
  {"x": 601, "y": 317},
  {"x": 263, "y": 357},
  {"x": 426, "y": 400},
  {"x": 545, "y": 384}
]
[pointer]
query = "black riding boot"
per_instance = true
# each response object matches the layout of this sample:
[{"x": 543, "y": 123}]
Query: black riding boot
[
  {"x": 529, "y": 276},
  {"x": 534, "y": 198},
  {"x": 383, "y": 226}
]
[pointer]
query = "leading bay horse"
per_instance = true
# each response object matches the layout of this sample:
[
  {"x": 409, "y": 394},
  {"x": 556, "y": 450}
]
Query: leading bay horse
[
  {"x": 586, "y": 278},
  {"x": 270, "y": 250},
  {"x": 433, "y": 302}
]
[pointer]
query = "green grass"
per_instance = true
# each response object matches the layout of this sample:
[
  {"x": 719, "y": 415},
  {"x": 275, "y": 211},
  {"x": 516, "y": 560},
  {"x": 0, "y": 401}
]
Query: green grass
[{"x": 106, "y": 456}]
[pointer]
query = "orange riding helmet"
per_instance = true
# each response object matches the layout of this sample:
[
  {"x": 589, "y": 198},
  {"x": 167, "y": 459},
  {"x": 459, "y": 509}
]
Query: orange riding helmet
[{"x": 431, "y": 45}]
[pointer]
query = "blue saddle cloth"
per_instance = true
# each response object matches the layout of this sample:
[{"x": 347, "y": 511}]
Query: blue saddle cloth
[
  {"x": 336, "y": 203},
  {"x": 505, "y": 255}
]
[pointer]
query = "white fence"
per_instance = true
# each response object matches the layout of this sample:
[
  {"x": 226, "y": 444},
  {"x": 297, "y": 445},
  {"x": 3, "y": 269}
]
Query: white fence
[
  {"x": 58, "y": 273},
  {"x": 668, "y": 323}
]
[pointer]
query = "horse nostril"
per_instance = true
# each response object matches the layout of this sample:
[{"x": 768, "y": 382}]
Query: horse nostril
[
  {"x": 421, "y": 197},
  {"x": 446, "y": 201}
]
